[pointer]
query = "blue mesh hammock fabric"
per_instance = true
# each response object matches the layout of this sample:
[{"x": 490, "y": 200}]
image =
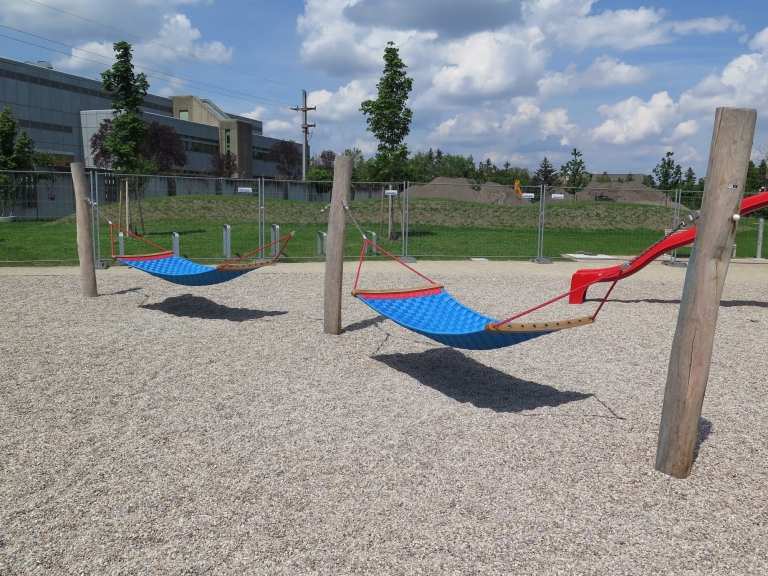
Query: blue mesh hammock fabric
[
  {"x": 433, "y": 312},
  {"x": 178, "y": 270}
]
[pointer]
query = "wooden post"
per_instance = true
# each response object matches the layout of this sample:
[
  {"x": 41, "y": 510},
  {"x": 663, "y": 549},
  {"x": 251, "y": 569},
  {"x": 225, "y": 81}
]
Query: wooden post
[
  {"x": 695, "y": 334},
  {"x": 127, "y": 206},
  {"x": 84, "y": 238},
  {"x": 334, "y": 259}
]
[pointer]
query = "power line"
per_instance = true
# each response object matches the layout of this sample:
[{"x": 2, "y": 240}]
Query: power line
[
  {"x": 255, "y": 98},
  {"x": 164, "y": 46},
  {"x": 148, "y": 75}
]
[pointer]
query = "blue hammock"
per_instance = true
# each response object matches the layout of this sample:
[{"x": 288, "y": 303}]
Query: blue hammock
[
  {"x": 431, "y": 311},
  {"x": 179, "y": 270}
]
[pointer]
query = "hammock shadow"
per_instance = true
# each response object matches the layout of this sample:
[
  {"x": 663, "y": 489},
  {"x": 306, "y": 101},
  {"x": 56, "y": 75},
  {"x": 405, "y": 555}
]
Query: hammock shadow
[
  {"x": 198, "y": 307},
  {"x": 723, "y": 303},
  {"x": 465, "y": 380},
  {"x": 364, "y": 324},
  {"x": 705, "y": 429}
]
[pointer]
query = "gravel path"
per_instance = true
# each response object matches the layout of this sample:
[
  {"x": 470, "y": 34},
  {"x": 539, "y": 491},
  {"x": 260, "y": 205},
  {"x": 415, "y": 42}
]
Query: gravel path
[{"x": 159, "y": 429}]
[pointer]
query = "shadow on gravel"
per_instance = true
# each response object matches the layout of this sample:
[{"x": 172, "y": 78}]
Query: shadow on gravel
[
  {"x": 198, "y": 307},
  {"x": 705, "y": 429},
  {"x": 465, "y": 380},
  {"x": 723, "y": 303},
  {"x": 364, "y": 324},
  {"x": 120, "y": 292}
]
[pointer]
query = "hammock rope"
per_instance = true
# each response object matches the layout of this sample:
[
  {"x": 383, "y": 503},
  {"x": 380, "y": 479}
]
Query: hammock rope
[{"x": 431, "y": 311}]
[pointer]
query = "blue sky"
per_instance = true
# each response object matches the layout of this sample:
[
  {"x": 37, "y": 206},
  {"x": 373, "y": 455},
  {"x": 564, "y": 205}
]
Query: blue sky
[{"x": 510, "y": 80}]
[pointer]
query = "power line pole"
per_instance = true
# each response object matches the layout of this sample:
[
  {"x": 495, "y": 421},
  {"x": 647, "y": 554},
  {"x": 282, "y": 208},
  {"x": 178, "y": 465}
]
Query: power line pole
[{"x": 305, "y": 130}]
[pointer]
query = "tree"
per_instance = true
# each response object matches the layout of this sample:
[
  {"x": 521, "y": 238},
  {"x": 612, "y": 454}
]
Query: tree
[
  {"x": 319, "y": 175},
  {"x": 630, "y": 177},
  {"x": 689, "y": 180},
  {"x": 288, "y": 159},
  {"x": 325, "y": 161},
  {"x": 649, "y": 181},
  {"x": 127, "y": 130},
  {"x": 158, "y": 152},
  {"x": 360, "y": 168},
  {"x": 223, "y": 165},
  {"x": 668, "y": 175},
  {"x": 389, "y": 118},
  {"x": 573, "y": 174},
  {"x": 546, "y": 174},
  {"x": 17, "y": 153}
]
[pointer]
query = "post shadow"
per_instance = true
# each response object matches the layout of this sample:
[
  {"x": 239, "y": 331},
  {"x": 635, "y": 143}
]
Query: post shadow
[
  {"x": 465, "y": 380},
  {"x": 362, "y": 324},
  {"x": 705, "y": 429},
  {"x": 198, "y": 307}
]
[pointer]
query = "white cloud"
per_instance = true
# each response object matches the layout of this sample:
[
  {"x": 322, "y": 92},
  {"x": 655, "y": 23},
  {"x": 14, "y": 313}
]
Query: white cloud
[
  {"x": 555, "y": 123},
  {"x": 633, "y": 120},
  {"x": 760, "y": 41},
  {"x": 572, "y": 23},
  {"x": 344, "y": 104},
  {"x": 605, "y": 71},
  {"x": 685, "y": 129}
]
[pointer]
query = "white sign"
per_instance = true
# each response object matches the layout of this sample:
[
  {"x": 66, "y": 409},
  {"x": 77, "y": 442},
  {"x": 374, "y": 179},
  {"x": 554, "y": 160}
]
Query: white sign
[
  {"x": 528, "y": 195},
  {"x": 245, "y": 190},
  {"x": 558, "y": 196},
  {"x": 390, "y": 192}
]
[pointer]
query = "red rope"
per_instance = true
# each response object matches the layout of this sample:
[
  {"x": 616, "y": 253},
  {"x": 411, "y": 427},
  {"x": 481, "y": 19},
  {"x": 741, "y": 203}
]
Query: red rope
[
  {"x": 288, "y": 236},
  {"x": 360, "y": 263},
  {"x": 605, "y": 298},
  {"x": 400, "y": 261},
  {"x": 112, "y": 226}
]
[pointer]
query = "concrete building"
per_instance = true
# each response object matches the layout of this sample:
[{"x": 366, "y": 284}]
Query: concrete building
[{"x": 61, "y": 112}]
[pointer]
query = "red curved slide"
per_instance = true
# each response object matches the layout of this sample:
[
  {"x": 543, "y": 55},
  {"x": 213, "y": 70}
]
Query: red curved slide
[{"x": 583, "y": 279}]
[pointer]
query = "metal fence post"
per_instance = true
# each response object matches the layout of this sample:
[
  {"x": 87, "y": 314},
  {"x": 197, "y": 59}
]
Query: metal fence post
[
  {"x": 175, "y": 242},
  {"x": 274, "y": 234},
  {"x": 121, "y": 243},
  {"x": 760, "y": 239},
  {"x": 539, "y": 259},
  {"x": 227, "y": 233},
  {"x": 675, "y": 221},
  {"x": 322, "y": 240},
  {"x": 372, "y": 235}
]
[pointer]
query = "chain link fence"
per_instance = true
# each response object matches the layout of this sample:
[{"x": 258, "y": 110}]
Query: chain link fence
[{"x": 216, "y": 219}]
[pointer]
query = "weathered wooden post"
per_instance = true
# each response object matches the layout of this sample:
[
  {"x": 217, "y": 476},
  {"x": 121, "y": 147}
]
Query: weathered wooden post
[
  {"x": 84, "y": 238},
  {"x": 334, "y": 260},
  {"x": 695, "y": 334}
]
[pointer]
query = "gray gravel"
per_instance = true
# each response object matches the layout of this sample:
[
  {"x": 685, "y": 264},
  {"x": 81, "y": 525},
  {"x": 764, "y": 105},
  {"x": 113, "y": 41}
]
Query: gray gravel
[{"x": 159, "y": 429}]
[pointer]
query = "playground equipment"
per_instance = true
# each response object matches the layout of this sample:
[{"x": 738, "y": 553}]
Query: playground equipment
[
  {"x": 583, "y": 279},
  {"x": 429, "y": 310}
]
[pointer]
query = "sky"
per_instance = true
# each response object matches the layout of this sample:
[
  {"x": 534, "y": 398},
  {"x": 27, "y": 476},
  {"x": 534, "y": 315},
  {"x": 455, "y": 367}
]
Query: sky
[{"x": 514, "y": 81}]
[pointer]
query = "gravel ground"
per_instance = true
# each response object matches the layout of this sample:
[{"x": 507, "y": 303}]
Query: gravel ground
[{"x": 160, "y": 429}]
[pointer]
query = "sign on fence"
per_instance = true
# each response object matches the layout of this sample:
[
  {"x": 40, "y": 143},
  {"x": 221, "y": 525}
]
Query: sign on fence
[
  {"x": 390, "y": 192},
  {"x": 528, "y": 195},
  {"x": 558, "y": 196},
  {"x": 245, "y": 190}
]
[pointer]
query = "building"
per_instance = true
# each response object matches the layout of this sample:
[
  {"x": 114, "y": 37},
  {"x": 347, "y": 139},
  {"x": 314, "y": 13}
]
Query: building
[{"x": 61, "y": 111}]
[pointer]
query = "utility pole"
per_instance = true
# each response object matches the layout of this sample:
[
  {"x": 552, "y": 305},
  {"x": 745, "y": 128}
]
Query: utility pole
[{"x": 305, "y": 130}]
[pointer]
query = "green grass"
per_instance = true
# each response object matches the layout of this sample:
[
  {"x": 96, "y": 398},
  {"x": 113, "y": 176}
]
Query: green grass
[{"x": 438, "y": 228}]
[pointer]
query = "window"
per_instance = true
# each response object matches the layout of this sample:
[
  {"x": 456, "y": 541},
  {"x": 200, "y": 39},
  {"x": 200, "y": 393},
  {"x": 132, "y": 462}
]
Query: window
[
  {"x": 184, "y": 114},
  {"x": 227, "y": 140}
]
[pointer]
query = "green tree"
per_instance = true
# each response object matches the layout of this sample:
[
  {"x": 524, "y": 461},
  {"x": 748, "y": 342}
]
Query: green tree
[
  {"x": 319, "y": 175},
  {"x": 573, "y": 173},
  {"x": 546, "y": 174},
  {"x": 689, "y": 180},
  {"x": 360, "y": 167},
  {"x": 127, "y": 130},
  {"x": 389, "y": 118},
  {"x": 630, "y": 177},
  {"x": 17, "y": 153},
  {"x": 755, "y": 178},
  {"x": 649, "y": 181},
  {"x": 668, "y": 174}
]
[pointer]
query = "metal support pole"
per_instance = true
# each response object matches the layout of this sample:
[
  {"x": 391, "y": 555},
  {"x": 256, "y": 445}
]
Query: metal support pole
[
  {"x": 372, "y": 235},
  {"x": 175, "y": 242},
  {"x": 540, "y": 240},
  {"x": 274, "y": 234},
  {"x": 121, "y": 243},
  {"x": 227, "y": 233},
  {"x": 322, "y": 241},
  {"x": 760, "y": 239},
  {"x": 673, "y": 261}
]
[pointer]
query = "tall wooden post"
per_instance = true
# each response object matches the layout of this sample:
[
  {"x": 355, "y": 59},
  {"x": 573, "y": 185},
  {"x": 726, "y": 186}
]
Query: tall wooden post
[
  {"x": 692, "y": 346},
  {"x": 84, "y": 238},
  {"x": 334, "y": 259}
]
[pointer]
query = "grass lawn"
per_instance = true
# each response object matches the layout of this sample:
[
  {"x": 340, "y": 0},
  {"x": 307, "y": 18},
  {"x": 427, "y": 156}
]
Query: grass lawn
[{"x": 438, "y": 228}]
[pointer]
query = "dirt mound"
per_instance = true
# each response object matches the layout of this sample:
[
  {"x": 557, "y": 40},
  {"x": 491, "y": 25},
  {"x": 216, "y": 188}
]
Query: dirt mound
[
  {"x": 460, "y": 189},
  {"x": 633, "y": 192}
]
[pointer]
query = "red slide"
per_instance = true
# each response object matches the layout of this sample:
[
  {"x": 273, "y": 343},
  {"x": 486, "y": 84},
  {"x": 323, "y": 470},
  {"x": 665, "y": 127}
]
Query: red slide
[{"x": 583, "y": 279}]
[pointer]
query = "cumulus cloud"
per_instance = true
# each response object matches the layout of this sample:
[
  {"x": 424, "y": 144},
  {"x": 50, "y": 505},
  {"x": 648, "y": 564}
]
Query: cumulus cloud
[
  {"x": 685, "y": 129},
  {"x": 742, "y": 83},
  {"x": 605, "y": 71},
  {"x": 343, "y": 104},
  {"x": 572, "y": 23},
  {"x": 449, "y": 18},
  {"x": 633, "y": 120}
]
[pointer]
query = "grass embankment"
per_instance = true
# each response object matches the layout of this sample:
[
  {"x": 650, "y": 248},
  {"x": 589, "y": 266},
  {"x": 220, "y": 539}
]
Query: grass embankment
[{"x": 438, "y": 228}]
